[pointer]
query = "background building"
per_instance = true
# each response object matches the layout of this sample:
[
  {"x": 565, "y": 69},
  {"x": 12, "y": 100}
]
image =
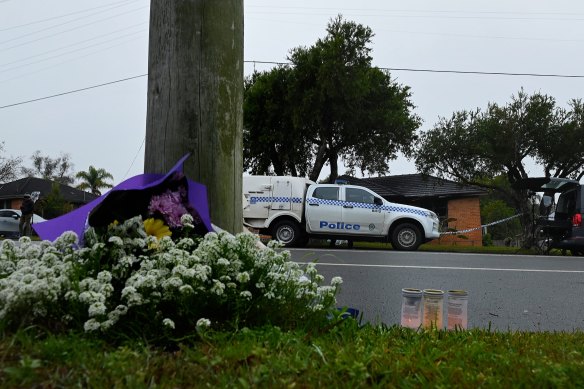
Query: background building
[{"x": 55, "y": 198}]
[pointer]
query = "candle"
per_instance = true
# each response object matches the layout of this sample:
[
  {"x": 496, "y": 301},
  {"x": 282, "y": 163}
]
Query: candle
[{"x": 411, "y": 310}]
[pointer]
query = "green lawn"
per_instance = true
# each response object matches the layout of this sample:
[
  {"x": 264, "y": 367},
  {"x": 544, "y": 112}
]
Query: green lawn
[{"x": 345, "y": 356}]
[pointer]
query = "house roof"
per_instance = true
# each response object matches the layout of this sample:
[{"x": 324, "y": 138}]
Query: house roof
[
  {"x": 415, "y": 186},
  {"x": 16, "y": 189}
]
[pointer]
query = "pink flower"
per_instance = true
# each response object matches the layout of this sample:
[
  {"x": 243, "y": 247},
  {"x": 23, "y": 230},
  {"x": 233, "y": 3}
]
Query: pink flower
[{"x": 170, "y": 205}]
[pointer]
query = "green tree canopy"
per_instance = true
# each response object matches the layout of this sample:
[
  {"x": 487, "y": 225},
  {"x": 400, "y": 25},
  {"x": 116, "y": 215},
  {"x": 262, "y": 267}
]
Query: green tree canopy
[
  {"x": 94, "y": 179},
  {"x": 494, "y": 210},
  {"x": 270, "y": 140},
  {"x": 500, "y": 140},
  {"x": 476, "y": 144},
  {"x": 53, "y": 204},
  {"x": 330, "y": 103},
  {"x": 561, "y": 152}
]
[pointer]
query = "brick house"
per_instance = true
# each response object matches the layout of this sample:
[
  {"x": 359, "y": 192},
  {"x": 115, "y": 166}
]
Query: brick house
[
  {"x": 11, "y": 193},
  {"x": 454, "y": 203}
]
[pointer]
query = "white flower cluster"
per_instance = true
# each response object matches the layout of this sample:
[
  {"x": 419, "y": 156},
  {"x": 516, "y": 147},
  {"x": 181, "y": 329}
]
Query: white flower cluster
[
  {"x": 32, "y": 277},
  {"x": 203, "y": 323},
  {"x": 187, "y": 220},
  {"x": 189, "y": 279}
]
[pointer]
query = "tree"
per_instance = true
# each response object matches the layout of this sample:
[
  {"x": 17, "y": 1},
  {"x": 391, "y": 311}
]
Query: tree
[
  {"x": 476, "y": 144},
  {"x": 561, "y": 151},
  {"x": 497, "y": 205},
  {"x": 9, "y": 166},
  {"x": 53, "y": 204},
  {"x": 94, "y": 179},
  {"x": 58, "y": 169},
  {"x": 494, "y": 210},
  {"x": 269, "y": 138},
  {"x": 195, "y": 98},
  {"x": 473, "y": 146},
  {"x": 332, "y": 104}
]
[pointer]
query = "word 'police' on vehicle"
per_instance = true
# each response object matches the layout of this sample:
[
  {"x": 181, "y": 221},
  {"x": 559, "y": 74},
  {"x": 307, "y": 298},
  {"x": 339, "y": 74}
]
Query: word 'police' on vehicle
[{"x": 339, "y": 225}]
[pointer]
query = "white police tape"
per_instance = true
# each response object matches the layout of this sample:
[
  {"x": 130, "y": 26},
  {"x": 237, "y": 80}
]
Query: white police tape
[{"x": 483, "y": 226}]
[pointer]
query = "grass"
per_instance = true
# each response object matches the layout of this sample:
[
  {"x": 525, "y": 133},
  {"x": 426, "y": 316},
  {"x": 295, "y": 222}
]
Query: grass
[{"x": 347, "y": 356}]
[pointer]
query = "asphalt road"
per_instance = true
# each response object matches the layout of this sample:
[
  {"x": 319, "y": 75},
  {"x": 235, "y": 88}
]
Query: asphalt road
[{"x": 506, "y": 292}]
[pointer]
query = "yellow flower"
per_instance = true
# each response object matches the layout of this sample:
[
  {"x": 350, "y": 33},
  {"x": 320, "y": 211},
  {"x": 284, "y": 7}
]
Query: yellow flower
[{"x": 156, "y": 227}]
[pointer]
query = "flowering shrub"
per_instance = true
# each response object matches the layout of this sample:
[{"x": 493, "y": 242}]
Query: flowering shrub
[{"x": 137, "y": 279}]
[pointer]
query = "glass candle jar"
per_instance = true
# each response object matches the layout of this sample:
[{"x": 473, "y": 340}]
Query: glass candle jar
[
  {"x": 433, "y": 300},
  {"x": 457, "y": 310},
  {"x": 411, "y": 309}
]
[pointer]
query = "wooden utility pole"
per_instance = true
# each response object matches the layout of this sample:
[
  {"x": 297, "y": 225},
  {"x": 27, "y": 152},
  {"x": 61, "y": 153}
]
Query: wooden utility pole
[{"x": 195, "y": 98}]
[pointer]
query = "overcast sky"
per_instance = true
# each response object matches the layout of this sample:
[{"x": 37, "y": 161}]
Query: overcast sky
[{"x": 54, "y": 47}]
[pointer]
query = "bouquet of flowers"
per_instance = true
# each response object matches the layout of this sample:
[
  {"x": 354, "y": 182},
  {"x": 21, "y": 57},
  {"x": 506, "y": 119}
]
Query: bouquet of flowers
[
  {"x": 157, "y": 196},
  {"x": 149, "y": 265},
  {"x": 164, "y": 209}
]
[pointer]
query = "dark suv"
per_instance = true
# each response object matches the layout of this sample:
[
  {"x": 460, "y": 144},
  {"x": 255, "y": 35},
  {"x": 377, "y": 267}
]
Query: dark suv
[{"x": 561, "y": 223}]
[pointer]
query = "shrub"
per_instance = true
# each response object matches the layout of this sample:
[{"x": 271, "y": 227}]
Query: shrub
[
  {"x": 133, "y": 280},
  {"x": 487, "y": 240}
]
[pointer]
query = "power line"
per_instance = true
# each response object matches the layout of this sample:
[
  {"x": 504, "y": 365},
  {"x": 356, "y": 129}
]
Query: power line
[
  {"x": 19, "y": 67},
  {"x": 431, "y": 11},
  {"x": 74, "y": 44},
  {"x": 66, "y": 61},
  {"x": 448, "y": 71},
  {"x": 272, "y": 10},
  {"x": 285, "y": 63},
  {"x": 268, "y": 13},
  {"x": 64, "y": 15},
  {"x": 471, "y": 36},
  {"x": 135, "y": 156},
  {"x": 69, "y": 30},
  {"x": 487, "y": 73},
  {"x": 73, "y": 91},
  {"x": 62, "y": 24},
  {"x": 269, "y": 62}
]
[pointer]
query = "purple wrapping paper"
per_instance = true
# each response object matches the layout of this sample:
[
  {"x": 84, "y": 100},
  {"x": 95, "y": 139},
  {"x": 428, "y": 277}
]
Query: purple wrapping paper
[{"x": 76, "y": 220}]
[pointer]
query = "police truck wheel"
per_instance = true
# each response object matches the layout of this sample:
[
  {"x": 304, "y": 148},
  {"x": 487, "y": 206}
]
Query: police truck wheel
[
  {"x": 406, "y": 237},
  {"x": 287, "y": 232}
]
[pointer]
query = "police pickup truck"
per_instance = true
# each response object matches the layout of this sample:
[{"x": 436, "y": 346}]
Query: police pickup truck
[{"x": 294, "y": 209}]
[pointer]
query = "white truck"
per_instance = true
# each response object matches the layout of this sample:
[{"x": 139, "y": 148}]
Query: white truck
[{"x": 294, "y": 209}]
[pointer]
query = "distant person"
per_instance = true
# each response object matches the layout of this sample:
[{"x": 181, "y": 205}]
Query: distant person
[{"x": 26, "y": 208}]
